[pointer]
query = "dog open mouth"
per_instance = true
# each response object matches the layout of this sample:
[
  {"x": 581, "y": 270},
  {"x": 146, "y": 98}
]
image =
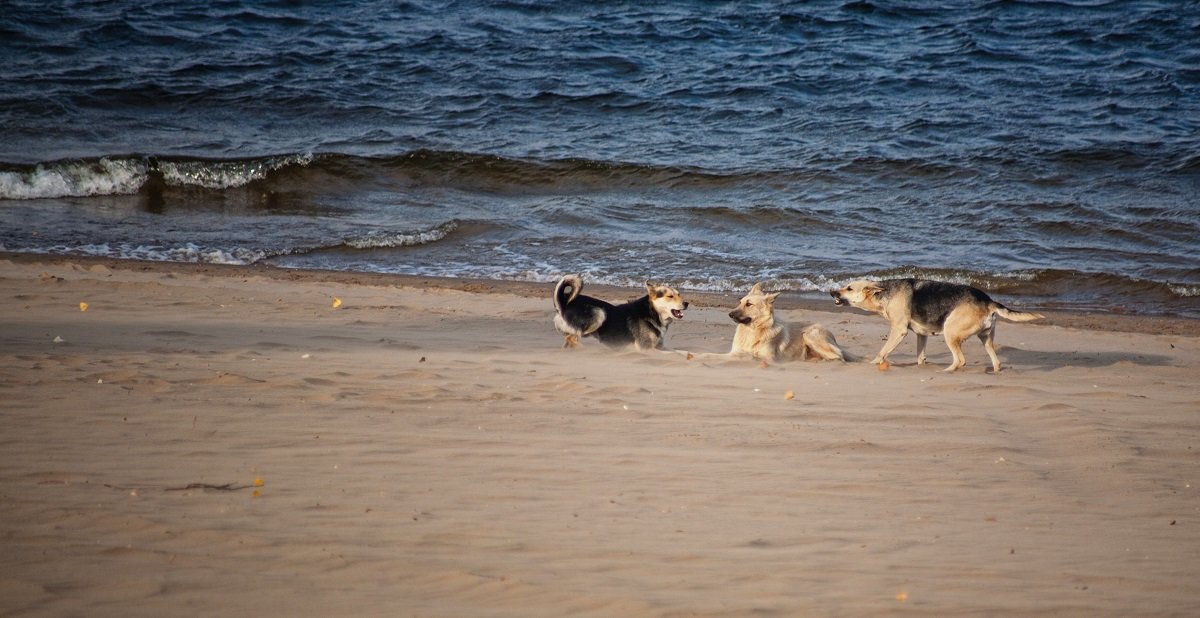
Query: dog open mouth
[
  {"x": 837, "y": 300},
  {"x": 677, "y": 314}
]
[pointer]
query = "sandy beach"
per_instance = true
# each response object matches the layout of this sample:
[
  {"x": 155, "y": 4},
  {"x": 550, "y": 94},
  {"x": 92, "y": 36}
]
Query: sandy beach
[{"x": 204, "y": 440}]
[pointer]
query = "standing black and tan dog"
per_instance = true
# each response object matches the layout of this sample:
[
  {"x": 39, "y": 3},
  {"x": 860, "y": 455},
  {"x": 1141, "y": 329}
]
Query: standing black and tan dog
[
  {"x": 762, "y": 336},
  {"x": 641, "y": 323},
  {"x": 931, "y": 308}
]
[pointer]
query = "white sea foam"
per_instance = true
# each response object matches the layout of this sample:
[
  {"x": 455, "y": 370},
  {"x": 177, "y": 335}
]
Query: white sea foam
[
  {"x": 388, "y": 239},
  {"x": 226, "y": 174},
  {"x": 155, "y": 253},
  {"x": 1187, "y": 291},
  {"x": 74, "y": 179},
  {"x": 117, "y": 176}
]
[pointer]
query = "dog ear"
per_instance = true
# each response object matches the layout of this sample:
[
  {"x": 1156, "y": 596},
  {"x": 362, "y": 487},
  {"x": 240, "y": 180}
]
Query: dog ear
[
  {"x": 771, "y": 298},
  {"x": 871, "y": 290},
  {"x": 650, "y": 288},
  {"x": 757, "y": 289}
]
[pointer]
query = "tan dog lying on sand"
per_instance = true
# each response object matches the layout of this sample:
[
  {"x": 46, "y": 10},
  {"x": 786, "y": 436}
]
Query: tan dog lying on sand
[
  {"x": 931, "y": 308},
  {"x": 762, "y": 336}
]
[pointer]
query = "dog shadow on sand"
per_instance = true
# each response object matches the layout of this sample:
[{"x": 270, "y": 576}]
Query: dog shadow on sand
[
  {"x": 1056, "y": 359},
  {"x": 1037, "y": 360}
]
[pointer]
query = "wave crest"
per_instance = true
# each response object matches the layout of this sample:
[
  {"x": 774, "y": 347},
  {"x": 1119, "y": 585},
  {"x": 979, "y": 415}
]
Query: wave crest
[
  {"x": 74, "y": 179},
  {"x": 386, "y": 239},
  {"x": 227, "y": 174},
  {"x": 127, "y": 175}
]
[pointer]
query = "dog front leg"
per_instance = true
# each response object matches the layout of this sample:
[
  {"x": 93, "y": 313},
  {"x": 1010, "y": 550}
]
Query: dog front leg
[
  {"x": 921, "y": 341},
  {"x": 719, "y": 356},
  {"x": 894, "y": 338}
]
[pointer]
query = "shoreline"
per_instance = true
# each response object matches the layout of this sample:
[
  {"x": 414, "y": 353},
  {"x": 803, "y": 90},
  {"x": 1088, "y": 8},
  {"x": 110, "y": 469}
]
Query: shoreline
[{"x": 814, "y": 301}]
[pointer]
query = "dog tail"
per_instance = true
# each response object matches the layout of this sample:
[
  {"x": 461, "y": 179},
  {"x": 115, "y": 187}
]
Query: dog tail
[
  {"x": 1015, "y": 316},
  {"x": 567, "y": 289}
]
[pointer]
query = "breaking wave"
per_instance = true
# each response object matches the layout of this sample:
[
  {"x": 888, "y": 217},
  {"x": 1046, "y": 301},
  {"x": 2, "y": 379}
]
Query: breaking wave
[
  {"x": 392, "y": 239},
  {"x": 127, "y": 175}
]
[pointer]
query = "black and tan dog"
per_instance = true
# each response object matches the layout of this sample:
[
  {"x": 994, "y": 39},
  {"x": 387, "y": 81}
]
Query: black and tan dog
[
  {"x": 931, "y": 308},
  {"x": 641, "y": 323}
]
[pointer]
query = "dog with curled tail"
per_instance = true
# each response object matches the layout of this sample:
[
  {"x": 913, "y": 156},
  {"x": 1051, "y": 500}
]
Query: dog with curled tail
[{"x": 641, "y": 323}]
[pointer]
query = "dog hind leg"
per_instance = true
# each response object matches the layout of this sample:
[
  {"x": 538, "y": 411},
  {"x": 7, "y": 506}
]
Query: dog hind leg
[
  {"x": 955, "y": 344},
  {"x": 821, "y": 342},
  {"x": 988, "y": 337},
  {"x": 963, "y": 322},
  {"x": 573, "y": 331}
]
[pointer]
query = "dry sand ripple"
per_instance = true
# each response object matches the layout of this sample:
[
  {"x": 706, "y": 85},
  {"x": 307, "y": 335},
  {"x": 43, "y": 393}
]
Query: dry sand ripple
[{"x": 226, "y": 442}]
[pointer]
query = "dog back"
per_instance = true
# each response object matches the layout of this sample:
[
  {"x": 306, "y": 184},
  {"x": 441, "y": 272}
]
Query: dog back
[{"x": 932, "y": 301}]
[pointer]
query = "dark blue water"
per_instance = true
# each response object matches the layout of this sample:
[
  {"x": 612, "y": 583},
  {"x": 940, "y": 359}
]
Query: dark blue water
[{"x": 1046, "y": 151}]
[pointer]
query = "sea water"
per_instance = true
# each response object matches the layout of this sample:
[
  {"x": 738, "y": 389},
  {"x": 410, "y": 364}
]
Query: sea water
[{"x": 1048, "y": 152}]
